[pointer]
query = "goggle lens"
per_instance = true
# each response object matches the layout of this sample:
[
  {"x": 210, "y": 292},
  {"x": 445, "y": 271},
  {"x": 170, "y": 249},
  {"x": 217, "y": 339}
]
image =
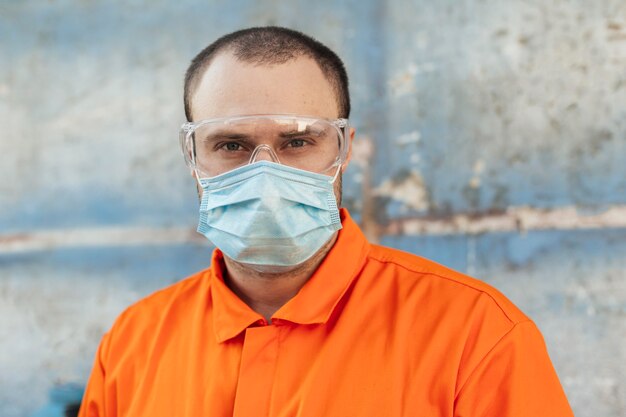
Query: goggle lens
[{"x": 217, "y": 146}]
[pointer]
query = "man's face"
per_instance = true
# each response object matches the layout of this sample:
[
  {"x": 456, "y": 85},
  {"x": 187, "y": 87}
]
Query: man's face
[{"x": 230, "y": 87}]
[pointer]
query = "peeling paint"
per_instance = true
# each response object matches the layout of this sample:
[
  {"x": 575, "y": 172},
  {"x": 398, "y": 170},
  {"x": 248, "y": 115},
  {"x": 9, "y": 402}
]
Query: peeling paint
[
  {"x": 97, "y": 237},
  {"x": 409, "y": 138},
  {"x": 362, "y": 151},
  {"x": 410, "y": 190},
  {"x": 512, "y": 219},
  {"x": 479, "y": 167},
  {"x": 490, "y": 137},
  {"x": 403, "y": 83}
]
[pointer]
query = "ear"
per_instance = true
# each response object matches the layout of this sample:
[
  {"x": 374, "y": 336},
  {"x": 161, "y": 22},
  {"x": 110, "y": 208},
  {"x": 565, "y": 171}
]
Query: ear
[{"x": 350, "y": 139}]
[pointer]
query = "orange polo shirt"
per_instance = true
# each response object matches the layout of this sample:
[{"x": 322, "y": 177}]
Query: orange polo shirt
[{"x": 374, "y": 332}]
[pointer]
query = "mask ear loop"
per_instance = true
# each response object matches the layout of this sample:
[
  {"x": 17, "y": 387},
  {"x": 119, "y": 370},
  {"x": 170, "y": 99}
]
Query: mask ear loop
[
  {"x": 334, "y": 178},
  {"x": 197, "y": 176}
]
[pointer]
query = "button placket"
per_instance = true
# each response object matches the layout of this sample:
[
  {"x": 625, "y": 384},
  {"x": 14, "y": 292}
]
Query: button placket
[{"x": 256, "y": 372}]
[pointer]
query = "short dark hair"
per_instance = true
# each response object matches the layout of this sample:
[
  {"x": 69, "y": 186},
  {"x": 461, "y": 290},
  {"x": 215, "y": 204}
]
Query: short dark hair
[{"x": 268, "y": 46}]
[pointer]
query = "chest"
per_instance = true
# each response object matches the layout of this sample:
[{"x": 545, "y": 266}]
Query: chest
[{"x": 364, "y": 369}]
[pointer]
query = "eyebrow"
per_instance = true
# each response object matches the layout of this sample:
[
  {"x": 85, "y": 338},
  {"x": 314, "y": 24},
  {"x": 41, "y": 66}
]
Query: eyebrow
[
  {"x": 292, "y": 133},
  {"x": 245, "y": 137},
  {"x": 224, "y": 134}
]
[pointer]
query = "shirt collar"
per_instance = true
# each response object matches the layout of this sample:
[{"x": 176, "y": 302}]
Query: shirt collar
[{"x": 315, "y": 301}]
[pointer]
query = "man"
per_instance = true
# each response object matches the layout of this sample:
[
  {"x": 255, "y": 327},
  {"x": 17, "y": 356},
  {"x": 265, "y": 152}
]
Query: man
[{"x": 298, "y": 314}]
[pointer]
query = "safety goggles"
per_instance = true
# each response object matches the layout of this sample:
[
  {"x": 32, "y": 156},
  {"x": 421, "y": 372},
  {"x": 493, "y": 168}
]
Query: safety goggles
[{"x": 215, "y": 146}]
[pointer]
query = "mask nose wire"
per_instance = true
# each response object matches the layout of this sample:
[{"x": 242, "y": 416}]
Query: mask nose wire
[{"x": 266, "y": 148}]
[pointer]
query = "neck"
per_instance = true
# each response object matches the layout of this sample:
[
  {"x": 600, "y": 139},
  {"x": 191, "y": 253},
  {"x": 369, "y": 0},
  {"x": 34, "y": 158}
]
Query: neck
[{"x": 266, "y": 292}]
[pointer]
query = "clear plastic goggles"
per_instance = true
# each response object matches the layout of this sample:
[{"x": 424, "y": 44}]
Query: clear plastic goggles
[{"x": 215, "y": 146}]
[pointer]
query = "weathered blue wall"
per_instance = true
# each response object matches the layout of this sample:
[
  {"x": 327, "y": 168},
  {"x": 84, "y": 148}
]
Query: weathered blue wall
[{"x": 491, "y": 137}]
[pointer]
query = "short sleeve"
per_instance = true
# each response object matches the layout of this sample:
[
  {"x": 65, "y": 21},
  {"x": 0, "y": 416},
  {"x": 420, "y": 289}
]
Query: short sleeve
[
  {"x": 93, "y": 403},
  {"x": 514, "y": 379}
]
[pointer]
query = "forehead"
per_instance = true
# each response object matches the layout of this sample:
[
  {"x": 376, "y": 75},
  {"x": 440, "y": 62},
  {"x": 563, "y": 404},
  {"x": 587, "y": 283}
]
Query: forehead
[
  {"x": 265, "y": 127},
  {"x": 230, "y": 87}
]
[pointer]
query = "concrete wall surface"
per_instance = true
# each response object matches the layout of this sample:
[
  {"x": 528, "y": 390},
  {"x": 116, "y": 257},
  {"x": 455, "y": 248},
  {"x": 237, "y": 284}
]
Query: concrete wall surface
[{"x": 491, "y": 137}]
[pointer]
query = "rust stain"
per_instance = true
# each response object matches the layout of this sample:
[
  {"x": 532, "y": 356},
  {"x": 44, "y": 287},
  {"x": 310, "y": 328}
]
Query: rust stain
[
  {"x": 614, "y": 26},
  {"x": 518, "y": 219},
  {"x": 14, "y": 238},
  {"x": 617, "y": 37},
  {"x": 96, "y": 237}
]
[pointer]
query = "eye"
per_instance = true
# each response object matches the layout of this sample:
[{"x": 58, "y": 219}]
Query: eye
[
  {"x": 231, "y": 146},
  {"x": 296, "y": 143}
]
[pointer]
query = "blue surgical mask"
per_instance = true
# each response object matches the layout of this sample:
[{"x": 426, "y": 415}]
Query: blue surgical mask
[{"x": 269, "y": 216}]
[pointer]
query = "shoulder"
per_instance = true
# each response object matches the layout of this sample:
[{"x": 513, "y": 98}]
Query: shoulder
[
  {"x": 154, "y": 323},
  {"x": 445, "y": 285},
  {"x": 165, "y": 304},
  {"x": 460, "y": 315}
]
